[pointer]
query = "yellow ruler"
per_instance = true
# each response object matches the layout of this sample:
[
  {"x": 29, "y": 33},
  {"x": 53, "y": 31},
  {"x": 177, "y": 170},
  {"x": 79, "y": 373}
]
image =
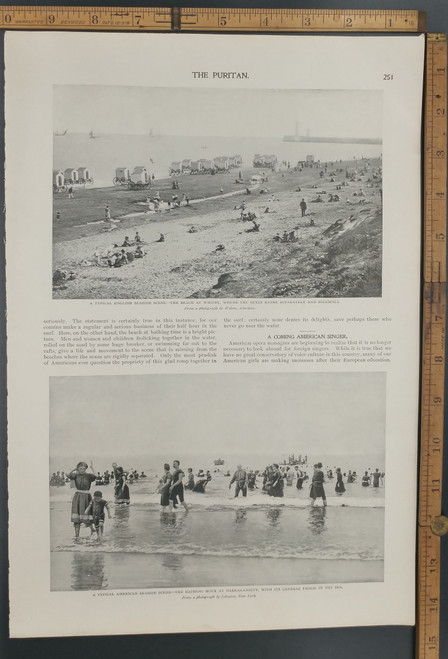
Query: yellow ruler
[
  {"x": 302, "y": 20},
  {"x": 191, "y": 19},
  {"x": 430, "y": 522}
]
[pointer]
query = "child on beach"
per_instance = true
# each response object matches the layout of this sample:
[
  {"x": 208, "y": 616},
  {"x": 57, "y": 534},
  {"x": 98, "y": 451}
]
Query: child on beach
[{"x": 96, "y": 509}]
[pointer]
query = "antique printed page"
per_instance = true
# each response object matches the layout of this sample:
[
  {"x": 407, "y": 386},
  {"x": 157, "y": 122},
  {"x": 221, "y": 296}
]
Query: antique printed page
[{"x": 213, "y": 331}]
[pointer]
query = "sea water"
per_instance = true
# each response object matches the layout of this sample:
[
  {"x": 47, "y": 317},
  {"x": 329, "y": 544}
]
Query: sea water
[{"x": 107, "y": 152}]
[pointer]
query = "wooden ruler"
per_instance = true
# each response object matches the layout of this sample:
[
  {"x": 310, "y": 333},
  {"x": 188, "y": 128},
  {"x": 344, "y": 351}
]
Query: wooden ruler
[
  {"x": 163, "y": 19},
  {"x": 430, "y": 522},
  {"x": 302, "y": 20},
  {"x": 193, "y": 19}
]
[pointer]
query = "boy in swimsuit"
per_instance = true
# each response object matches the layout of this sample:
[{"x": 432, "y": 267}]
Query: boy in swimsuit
[{"x": 96, "y": 509}]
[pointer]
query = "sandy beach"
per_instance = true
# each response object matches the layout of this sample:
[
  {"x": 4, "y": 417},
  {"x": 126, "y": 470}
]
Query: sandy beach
[{"x": 336, "y": 251}]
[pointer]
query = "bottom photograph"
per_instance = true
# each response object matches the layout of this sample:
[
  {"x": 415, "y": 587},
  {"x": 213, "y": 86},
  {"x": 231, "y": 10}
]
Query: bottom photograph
[{"x": 204, "y": 480}]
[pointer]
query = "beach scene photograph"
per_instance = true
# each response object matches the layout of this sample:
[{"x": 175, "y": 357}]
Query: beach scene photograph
[
  {"x": 206, "y": 480},
  {"x": 177, "y": 193}
]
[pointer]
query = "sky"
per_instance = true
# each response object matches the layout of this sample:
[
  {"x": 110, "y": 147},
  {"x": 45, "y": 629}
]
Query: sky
[
  {"x": 214, "y": 414},
  {"x": 216, "y": 112}
]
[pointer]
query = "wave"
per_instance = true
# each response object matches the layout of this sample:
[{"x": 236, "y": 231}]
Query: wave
[{"x": 249, "y": 551}]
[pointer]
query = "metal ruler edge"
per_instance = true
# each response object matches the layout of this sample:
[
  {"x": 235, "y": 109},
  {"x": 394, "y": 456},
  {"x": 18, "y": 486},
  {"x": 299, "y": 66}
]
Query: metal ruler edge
[
  {"x": 161, "y": 19},
  {"x": 433, "y": 348}
]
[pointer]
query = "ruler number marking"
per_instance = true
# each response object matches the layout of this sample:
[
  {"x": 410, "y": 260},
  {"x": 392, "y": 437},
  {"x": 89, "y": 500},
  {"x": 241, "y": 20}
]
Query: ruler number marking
[{"x": 433, "y": 349}]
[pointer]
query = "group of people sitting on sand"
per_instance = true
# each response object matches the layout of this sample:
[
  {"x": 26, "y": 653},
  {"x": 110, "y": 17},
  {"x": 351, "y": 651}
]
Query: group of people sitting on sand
[
  {"x": 287, "y": 237},
  {"x": 157, "y": 205},
  {"x": 118, "y": 255}
]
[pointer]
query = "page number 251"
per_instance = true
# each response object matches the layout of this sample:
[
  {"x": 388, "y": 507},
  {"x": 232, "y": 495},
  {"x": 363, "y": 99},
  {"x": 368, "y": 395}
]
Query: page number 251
[{"x": 388, "y": 76}]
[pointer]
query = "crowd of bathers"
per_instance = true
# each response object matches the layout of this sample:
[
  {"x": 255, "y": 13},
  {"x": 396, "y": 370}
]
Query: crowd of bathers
[
  {"x": 275, "y": 477},
  {"x": 171, "y": 486}
]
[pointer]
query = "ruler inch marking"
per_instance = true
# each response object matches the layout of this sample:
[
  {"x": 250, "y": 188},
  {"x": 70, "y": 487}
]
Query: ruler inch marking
[
  {"x": 303, "y": 20},
  {"x": 433, "y": 346}
]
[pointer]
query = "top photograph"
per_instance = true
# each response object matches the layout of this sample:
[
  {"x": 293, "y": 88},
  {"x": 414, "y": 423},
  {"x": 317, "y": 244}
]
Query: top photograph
[{"x": 177, "y": 193}]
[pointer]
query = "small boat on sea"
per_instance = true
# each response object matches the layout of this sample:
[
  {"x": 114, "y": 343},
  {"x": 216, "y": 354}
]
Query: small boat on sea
[
  {"x": 60, "y": 134},
  {"x": 219, "y": 461},
  {"x": 92, "y": 135}
]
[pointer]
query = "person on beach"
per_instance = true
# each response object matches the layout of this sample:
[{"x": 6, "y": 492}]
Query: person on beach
[
  {"x": 161, "y": 238},
  {"x": 82, "y": 497},
  {"x": 317, "y": 485},
  {"x": 300, "y": 475},
  {"x": 366, "y": 479},
  {"x": 377, "y": 477},
  {"x": 201, "y": 482},
  {"x": 251, "y": 480},
  {"x": 107, "y": 215},
  {"x": 121, "y": 487},
  {"x": 189, "y": 485},
  {"x": 240, "y": 480},
  {"x": 303, "y": 207},
  {"x": 177, "y": 487},
  {"x": 96, "y": 508},
  {"x": 276, "y": 482},
  {"x": 164, "y": 487},
  {"x": 70, "y": 193},
  {"x": 340, "y": 487}
]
